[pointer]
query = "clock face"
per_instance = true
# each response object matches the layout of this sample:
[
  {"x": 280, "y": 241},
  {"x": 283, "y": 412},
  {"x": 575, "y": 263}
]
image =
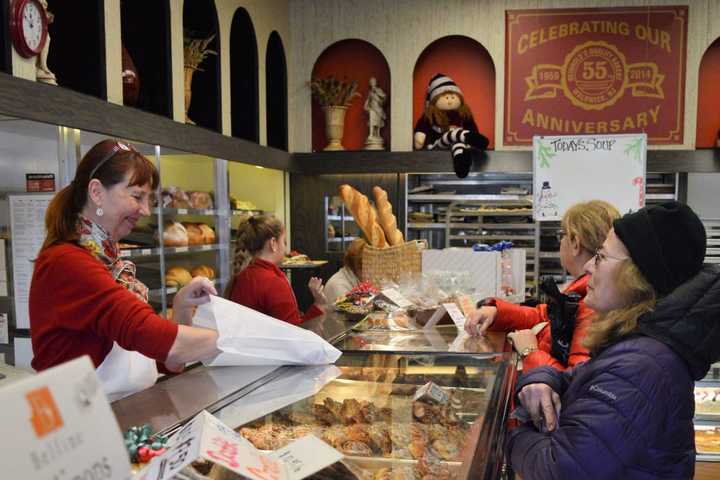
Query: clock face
[{"x": 32, "y": 20}]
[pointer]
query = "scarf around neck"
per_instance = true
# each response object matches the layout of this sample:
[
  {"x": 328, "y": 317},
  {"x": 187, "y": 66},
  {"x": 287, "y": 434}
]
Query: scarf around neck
[{"x": 98, "y": 242}]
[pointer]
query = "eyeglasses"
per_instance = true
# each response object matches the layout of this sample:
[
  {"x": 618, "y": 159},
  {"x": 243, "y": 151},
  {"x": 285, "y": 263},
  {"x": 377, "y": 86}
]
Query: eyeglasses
[
  {"x": 601, "y": 256},
  {"x": 119, "y": 146},
  {"x": 560, "y": 234}
]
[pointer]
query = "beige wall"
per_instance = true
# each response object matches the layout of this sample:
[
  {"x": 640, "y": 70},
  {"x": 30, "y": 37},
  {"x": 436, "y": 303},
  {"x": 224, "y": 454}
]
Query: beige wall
[{"x": 401, "y": 29}]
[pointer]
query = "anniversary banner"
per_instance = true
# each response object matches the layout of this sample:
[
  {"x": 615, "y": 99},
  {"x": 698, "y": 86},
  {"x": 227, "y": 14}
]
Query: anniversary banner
[{"x": 595, "y": 71}]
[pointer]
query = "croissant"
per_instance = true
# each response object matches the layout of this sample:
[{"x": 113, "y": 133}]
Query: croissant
[
  {"x": 386, "y": 219},
  {"x": 364, "y": 214}
]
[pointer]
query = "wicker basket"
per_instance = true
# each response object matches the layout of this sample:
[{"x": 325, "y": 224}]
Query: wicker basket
[{"x": 380, "y": 265}]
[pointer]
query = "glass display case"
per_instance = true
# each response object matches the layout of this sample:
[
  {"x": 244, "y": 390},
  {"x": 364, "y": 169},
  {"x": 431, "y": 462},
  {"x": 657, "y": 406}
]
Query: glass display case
[
  {"x": 391, "y": 415},
  {"x": 707, "y": 416}
]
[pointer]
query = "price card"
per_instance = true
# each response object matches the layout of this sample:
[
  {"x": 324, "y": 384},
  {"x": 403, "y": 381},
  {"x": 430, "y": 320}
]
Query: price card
[
  {"x": 182, "y": 211},
  {"x": 181, "y": 249},
  {"x": 145, "y": 251},
  {"x": 59, "y": 425},
  {"x": 456, "y": 314},
  {"x": 396, "y": 297},
  {"x": 206, "y": 247}
]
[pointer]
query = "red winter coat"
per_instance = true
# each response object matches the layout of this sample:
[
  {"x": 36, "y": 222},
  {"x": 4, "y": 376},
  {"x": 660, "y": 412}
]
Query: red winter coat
[{"x": 516, "y": 317}]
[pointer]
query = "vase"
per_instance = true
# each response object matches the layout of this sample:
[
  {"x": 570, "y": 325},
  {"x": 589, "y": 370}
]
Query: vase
[
  {"x": 334, "y": 125},
  {"x": 189, "y": 72}
]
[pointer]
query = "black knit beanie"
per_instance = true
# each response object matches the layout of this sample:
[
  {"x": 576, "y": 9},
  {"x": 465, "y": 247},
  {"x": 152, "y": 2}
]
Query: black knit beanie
[{"x": 666, "y": 242}]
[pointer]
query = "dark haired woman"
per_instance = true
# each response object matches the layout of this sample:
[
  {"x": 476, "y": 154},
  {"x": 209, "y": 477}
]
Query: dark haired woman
[
  {"x": 258, "y": 282},
  {"x": 85, "y": 299}
]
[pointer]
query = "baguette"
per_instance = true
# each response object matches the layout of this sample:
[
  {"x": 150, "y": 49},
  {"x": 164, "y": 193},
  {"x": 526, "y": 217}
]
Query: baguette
[
  {"x": 386, "y": 219},
  {"x": 364, "y": 214}
]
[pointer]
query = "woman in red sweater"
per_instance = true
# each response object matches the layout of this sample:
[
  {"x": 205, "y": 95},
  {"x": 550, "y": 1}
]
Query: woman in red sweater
[
  {"x": 258, "y": 283},
  {"x": 559, "y": 343},
  {"x": 85, "y": 299}
]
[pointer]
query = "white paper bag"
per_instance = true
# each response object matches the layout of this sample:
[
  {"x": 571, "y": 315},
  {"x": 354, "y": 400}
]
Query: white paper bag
[{"x": 248, "y": 337}]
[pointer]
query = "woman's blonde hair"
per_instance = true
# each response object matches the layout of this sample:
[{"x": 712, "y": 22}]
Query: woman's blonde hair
[
  {"x": 590, "y": 223},
  {"x": 607, "y": 328},
  {"x": 353, "y": 257},
  {"x": 440, "y": 118},
  {"x": 251, "y": 238}
]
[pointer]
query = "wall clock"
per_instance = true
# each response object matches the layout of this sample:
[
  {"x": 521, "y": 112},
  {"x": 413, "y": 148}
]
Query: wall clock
[{"x": 29, "y": 27}]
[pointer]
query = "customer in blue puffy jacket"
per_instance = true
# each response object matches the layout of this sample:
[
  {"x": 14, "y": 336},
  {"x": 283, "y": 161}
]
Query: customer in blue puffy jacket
[{"x": 627, "y": 412}]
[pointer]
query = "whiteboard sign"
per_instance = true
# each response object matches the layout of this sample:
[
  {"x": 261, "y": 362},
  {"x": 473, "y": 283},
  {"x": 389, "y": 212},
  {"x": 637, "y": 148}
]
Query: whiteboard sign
[
  {"x": 572, "y": 169},
  {"x": 27, "y": 234}
]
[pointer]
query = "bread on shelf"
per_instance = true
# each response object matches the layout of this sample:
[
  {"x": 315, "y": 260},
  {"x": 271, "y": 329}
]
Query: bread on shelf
[
  {"x": 364, "y": 214},
  {"x": 386, "y": 219},
  {"x": 195, "y": 234},
  {"x": 177, "y": 277},
  {"x": 207, "y": 232},
  {"x": 203, "y": 271},
  {"x": 201, "y": 200},
  {"x": 175, "y": 235}
]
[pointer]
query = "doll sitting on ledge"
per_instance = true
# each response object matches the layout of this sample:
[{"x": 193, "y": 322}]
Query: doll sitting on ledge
[{"x": 447, "y": 123}]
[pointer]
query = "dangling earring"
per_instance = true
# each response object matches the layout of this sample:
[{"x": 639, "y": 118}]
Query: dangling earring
[{"x": 99, "y": 212}]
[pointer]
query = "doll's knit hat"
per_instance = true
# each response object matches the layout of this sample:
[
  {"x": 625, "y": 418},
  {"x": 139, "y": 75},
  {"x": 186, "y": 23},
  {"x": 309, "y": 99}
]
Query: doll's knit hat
[{"x": 438, "y": 85}]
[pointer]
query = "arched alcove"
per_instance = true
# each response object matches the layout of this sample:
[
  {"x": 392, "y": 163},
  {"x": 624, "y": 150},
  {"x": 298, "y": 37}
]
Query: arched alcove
[
  {"x": 350, "y": 60},
  {"x": 5, "y": 55},
  {"x": 146, "y": 39},
  {"x": 276, "y": 93},
  {"x": 200, "y": 22},
  {"x": 469, "y": 64},
  {"x": 77, "y": 45},
  {"x": 244, "y": 77},
  {"x": 708, "y": 110}
]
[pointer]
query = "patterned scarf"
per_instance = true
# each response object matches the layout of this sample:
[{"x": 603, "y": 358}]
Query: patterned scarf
[{"x": 98, "y": 242}]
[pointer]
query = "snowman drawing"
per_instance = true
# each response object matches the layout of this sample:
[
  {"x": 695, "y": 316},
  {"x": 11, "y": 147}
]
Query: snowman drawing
[{"x": 547, "y": 206}]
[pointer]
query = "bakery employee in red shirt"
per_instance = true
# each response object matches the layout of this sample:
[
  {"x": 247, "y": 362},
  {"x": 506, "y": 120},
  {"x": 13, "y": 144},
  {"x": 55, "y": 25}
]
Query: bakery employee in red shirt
[
  {"x": 258, "y": 283},
  {"x": 86, "y": 300}
]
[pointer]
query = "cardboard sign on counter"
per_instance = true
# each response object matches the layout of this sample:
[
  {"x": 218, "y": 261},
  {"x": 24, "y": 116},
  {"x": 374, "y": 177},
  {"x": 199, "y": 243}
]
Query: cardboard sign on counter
[
  {"x": 58, "y": 425},
  {"x": 392, "y": 295},
  {"x": 208, "y": 438},
  {"x": 447, "y": 310}
]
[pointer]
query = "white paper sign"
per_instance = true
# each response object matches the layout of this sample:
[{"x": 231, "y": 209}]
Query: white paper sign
[
  {"x": 208, "y": 438},
  {"x": 396, "y": 297},
  {"x": 4, "y": 338},
  {"x": 572, "y": 169},
  {"x": 27, "y": 230},
  {"x": 456, "y": 314},
  {"x": 58, "y": 425}
]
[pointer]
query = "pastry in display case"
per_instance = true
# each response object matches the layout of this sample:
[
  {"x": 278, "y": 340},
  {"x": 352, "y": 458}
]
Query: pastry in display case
[
  {"x": 707, "y": 440},
  {"x": 395, "y": 416},
  {"x": 707, "y": 401}
]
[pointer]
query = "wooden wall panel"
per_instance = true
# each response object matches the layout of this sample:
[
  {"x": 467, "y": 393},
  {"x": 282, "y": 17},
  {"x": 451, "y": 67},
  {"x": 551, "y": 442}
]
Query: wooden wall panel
[{"x": 401, "y": 29}]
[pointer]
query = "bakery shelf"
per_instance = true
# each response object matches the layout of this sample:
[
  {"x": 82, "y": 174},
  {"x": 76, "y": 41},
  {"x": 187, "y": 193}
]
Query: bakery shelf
[
  {"x": 190, "y": 211},
  {"x": 158, "y": 292},
  {"x": 340, "y": 218},
  {"x": 340, "y": 239},
  {"x": 421, "y": 226},
  {"x": 490, "y": 237},
  {"x": 148, "y": 252},
  {"x": 504, "y": 199},
  {"x": 239, "y": 212}
]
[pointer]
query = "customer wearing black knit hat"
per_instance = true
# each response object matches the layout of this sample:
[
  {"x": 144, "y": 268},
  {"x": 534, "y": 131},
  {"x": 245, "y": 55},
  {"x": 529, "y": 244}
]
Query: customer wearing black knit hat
[
  {"x": 666, "y": 242},
  {"x": 628, "y": 412}
]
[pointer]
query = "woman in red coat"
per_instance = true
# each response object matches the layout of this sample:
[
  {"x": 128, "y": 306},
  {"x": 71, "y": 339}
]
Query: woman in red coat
[
  {"x": 258, "y": 282},
  {"x": 584, "y": 228},
  {"x": 86, "y": 300}
]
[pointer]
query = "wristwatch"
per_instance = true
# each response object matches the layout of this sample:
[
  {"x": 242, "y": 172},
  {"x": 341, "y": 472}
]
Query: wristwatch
[{"x": 527, "y": 351}]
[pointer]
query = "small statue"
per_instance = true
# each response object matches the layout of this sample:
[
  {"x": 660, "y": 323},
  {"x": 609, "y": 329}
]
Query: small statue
[
  {"x": 376, "y": 116},
  {"x": 42, "y": 71}
]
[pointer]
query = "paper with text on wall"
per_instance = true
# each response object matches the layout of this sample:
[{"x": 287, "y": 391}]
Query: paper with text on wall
[
  {"x": 61, "y": 427},
  {"x": 208, "y": 438}
]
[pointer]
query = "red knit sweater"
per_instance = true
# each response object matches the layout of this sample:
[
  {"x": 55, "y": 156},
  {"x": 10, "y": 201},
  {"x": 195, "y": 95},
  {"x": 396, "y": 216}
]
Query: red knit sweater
[
  {"x": 76, "y": 308},
  {"x": 263, "y": 287},
  {"x": 516, "y": 317}
]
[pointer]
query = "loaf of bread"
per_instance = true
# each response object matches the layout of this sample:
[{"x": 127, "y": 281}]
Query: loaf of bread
[
  {"x": 175, "y": 235},
  {"x": 386, "y": 219},
  {"x": 203, "y": 271},
  {"x": 202, "y": 200},
  {"x": 194, "y": 233},
  {"x": 177, "y": 277},
  {"x": 364, "y": 214},
  {"x": 207, "y": 232}
]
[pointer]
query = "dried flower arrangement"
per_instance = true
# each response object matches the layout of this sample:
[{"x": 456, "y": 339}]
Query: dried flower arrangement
[
  {"x": 330, "y": 91},
  {"x": 196, "y": 51}
]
